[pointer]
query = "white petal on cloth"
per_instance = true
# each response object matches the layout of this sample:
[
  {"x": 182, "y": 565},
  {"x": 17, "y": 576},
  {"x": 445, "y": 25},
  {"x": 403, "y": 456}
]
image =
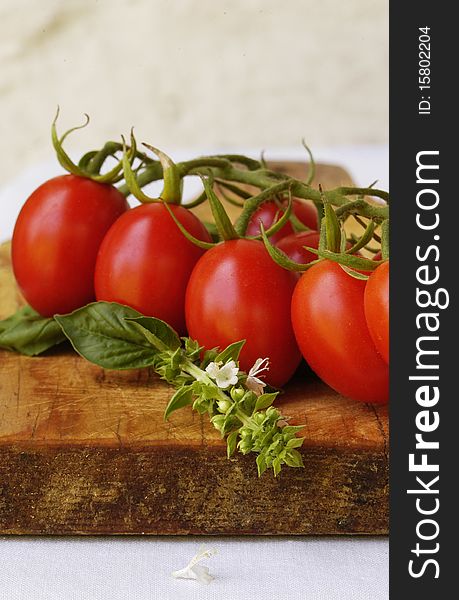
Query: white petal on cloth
[{"x": 195, "y": 571}]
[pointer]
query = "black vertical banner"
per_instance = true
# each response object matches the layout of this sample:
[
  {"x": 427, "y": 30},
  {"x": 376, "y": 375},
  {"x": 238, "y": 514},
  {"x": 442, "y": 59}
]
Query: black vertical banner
[{"x": 424, "y": 254}]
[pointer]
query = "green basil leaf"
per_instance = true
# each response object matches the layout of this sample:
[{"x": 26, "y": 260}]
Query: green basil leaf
[
  {"x": 261, "y": 464},
  {"x": 101, "y": 333},
  {"x": 294, "y": 459},
  {"x": 29, "y": 333},
  {"x": 231, "y": 442},
  {"x": 295, "y": 442},
  {"x": 157, "y": 332},
  {"x": 26, "y": 312},
  {"x": 230, "y": 353},
  {"x": 21, "y": 314},
  {"x": 192, "y": 348},
  {"x": 209, "y": 356},
  {"x": 182, "y": 397},
  {"x": 277, "y": 465},
  {"x": 292, "y": 429},
  {"x": 264, "y": 401}
]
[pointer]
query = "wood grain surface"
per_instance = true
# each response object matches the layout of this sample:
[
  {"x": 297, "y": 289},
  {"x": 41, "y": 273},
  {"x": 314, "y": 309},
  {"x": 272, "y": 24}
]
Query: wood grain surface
[{"x": 83, "y": 450}]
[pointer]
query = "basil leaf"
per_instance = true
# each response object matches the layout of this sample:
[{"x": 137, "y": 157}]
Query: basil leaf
[
  {"x": 182, "y": 397},
  {"x": 101, "y": 333},
  {"x": 294, "y": 459},
  {"x": 22, "y": 313},
  {"x": 209, "y": 356},
  {"x": 157, "y": 332},
  {"x": 265, "y": 400},
  {"x": 261, "y": 464},
  {"x": 231, "y": 442},
  {"x": 29, "y": 333},
  {"x": 231, "y": 352},
  {"x": 295, "y": 442}
]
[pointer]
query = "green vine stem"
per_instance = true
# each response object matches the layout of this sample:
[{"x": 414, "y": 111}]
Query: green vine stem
[
  {"x": 152, "y": 172},
  {"x": 226, "y": 169},
  {"x": 364, "y": 240},
  {"x": 225, "y": 229},
  {"x": 197, "y": 201},
  {"x": 111, "y": 149},
  {"x": 332, "y": 228},
  {"x": 230, "y": 200},
  {"x": 263, "y": 179}
]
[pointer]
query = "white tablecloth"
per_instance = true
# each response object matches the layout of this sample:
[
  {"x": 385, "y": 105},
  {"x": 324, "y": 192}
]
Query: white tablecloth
[
  {"x": 245, "y": 568},
  {"x": 140, "y": 569}
]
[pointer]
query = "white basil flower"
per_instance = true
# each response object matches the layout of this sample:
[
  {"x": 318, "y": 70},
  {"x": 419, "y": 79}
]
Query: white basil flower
[
  {"x": 225, "y": 375},
  {"x": 253, "y": 383},
  {"x": 195, "y": 571}
]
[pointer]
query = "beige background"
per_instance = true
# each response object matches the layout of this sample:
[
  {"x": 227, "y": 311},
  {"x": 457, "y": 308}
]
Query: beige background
[{"x": 192, "y": 73}]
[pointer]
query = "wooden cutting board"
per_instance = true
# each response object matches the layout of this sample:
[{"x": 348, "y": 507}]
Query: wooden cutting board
[{"x": 83, "y": 450}]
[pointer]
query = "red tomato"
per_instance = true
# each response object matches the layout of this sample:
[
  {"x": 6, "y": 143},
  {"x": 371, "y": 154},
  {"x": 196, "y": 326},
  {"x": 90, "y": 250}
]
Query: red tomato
[
  {"x": 293, "y": 246},
  {"x": 145, "y": 262},
  {"x": 330, "y": 327},
  {"x": 56, "y": 239},
  {"x": 377, "y": 308},
  {"x": 378, "y": 255},
  {"x": 304, "y": 211},
  {"x": 236, "y": 292}
]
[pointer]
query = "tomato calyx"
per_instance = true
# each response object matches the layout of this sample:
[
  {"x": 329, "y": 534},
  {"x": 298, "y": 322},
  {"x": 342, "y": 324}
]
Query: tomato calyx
[
  {"x": 225, "y": 229},
  {"x": 333, "y": 237},
  {"x": 91, "y": 163},
  {"x": 334, "y": 245},
  {"x": 223, "y": 223},
  {"x": 172, "y": 187}
]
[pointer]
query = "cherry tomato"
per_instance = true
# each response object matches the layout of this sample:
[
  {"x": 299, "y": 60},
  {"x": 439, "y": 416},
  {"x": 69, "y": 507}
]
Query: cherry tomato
[
  {"x": 56, "y": 239},
  {"x": 304, "y": 211},
  {"x": 376, "y": 302},
  {"x": 236, "y": 292},
  {"x": 145, "y": 262},
  {"x": 293, "y": 246},
  {"x": 330, "y": 327}
]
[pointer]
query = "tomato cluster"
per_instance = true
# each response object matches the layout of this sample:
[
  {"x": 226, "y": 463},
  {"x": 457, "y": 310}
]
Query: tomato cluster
[{"x": 76, "y": 240}]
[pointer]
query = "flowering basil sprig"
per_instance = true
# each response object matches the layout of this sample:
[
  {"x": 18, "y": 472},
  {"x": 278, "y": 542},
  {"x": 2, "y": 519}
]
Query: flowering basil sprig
[
  {"x": 114, "y": 336},
  {"x": 234, "y": 401}
]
